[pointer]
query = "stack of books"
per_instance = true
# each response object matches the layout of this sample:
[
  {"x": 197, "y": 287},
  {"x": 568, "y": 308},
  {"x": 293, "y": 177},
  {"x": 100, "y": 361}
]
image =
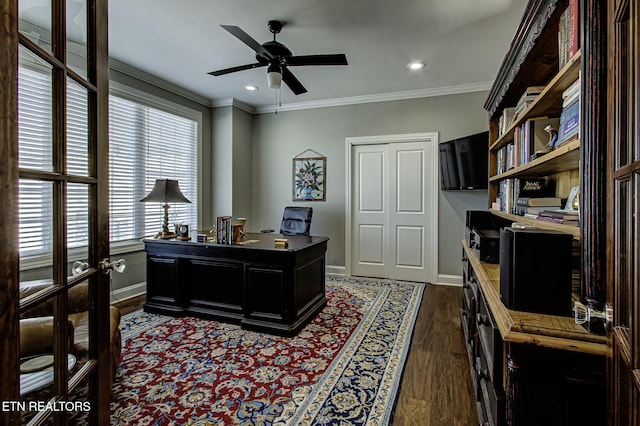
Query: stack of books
[
  {"x": 563, "y": 216},
  {"x": 570, "y": 116},
  {"x": 532, "y": 207},
  {"x": 517, "y": 195},
  {"x": 223, "y": 226},
  {"x": 280, "y": 243},
  {"x": 529, "y": 95}
]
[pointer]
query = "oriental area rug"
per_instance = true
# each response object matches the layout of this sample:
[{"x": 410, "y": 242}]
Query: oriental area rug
[{"x": 343, "y": 368}]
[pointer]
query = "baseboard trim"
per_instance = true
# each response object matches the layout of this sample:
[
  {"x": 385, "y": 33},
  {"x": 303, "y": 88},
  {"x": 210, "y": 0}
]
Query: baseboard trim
[
  {"x": 122, "y": 294},
  {"x": 335, "y": 270},
  {"x": 454, "y": 280}
]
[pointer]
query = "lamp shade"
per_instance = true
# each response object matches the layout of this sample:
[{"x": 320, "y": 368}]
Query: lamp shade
[{"x": 166, "y": 191}]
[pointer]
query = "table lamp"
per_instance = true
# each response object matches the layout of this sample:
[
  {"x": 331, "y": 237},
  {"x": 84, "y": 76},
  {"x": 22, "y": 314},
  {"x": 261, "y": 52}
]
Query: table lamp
[{"x": 165, "y": 191}]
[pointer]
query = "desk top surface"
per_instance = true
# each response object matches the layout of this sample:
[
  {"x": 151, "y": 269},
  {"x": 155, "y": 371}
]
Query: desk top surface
[{"x": 258, "y": 241}]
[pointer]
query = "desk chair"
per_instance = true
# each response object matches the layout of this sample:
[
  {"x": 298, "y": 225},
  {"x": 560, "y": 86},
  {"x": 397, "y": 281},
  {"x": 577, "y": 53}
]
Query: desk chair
[{"x": 296, "y": 220}]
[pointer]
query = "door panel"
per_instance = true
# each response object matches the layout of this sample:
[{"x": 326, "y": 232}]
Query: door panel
[
  {"x": 371, "y": 243},
  {"x": 369, "y": 212},
  {"x": 623, "y": 171},
  {"x": 409, "y": 246},
  {"x": 409, "y": 218},
  {"x": 410, "y": 181}
]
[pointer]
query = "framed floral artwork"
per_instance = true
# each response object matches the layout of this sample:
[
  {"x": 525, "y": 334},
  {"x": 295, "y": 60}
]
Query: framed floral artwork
[{"x": 309, "y": 178}]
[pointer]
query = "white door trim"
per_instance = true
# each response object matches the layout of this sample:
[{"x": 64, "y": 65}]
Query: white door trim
[{"x": 432, "y": 140}]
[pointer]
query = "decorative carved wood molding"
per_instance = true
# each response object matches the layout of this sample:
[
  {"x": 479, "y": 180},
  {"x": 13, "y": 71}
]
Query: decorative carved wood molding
[{"x": 535, "y": 19}]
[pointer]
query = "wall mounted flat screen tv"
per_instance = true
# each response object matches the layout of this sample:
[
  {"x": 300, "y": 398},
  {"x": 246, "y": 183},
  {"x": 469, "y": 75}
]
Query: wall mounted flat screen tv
[{"x": 464, "y": 163}]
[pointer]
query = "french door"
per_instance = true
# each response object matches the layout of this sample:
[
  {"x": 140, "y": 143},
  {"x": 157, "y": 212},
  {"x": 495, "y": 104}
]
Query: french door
[
  {"x": 623, "y": 209},
  {"x": 54, "y": 196}
]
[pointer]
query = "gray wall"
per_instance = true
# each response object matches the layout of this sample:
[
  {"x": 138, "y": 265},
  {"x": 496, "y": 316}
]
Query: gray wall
[
  {"x": 246, "y": 167},
  {"x": 277, "y": 139}
]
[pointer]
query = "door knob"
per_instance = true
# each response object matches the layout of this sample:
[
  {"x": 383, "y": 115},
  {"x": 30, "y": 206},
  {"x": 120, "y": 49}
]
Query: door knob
[
  {"x": 107, "y": 266},
  {"x": 79, "y": 267}
]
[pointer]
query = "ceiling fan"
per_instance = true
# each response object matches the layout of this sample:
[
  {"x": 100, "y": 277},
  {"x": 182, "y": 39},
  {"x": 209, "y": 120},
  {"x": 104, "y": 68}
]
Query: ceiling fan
[{"x": 277, "y": 58}]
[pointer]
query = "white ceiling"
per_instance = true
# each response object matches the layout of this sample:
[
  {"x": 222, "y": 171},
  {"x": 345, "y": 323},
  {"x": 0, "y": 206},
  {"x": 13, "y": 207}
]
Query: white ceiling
[{"x": 462, "y": 42}]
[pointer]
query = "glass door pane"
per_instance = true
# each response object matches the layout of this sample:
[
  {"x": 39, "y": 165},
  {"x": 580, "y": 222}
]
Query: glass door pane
[
  {"x": 77, "y": 36},
  {"x": 35, "y": 97},
  {"x": 34, "y": 21},
  {"x": 35, "y": 201},
  {"x": 78, "y": 226},
  {"x": 77, "y": 129}
]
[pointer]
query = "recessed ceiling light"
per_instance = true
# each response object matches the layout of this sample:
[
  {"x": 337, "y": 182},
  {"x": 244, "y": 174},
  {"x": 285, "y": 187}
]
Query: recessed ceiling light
[
  {"x": 416, "y": 65},
  {"x": 251, "y": 88}
]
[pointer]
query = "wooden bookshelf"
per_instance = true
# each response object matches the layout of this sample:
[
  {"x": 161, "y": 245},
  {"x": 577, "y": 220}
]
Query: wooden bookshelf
[
  {"x": 548, "y": 102},
  {"x": 565, "y": 157},
  {"x": 573, "y": 230}
]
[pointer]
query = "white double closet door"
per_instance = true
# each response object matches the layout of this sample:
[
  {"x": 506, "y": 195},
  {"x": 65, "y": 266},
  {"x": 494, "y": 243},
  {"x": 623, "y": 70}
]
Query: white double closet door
[{"x": 394, "y": 209}]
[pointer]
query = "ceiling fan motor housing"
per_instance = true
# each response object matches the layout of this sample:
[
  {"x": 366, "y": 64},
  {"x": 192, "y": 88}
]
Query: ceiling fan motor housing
[{"x": 277, "y": 50}]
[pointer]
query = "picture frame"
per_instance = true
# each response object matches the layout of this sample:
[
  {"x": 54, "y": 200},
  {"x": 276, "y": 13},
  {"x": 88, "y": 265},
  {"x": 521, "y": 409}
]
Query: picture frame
[{"x": 309, "y": 175}]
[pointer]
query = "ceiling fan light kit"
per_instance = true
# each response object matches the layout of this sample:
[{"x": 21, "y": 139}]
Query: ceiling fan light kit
[
  {"x": 277, "y": 58},
  {"x": 274, "y": 76}
]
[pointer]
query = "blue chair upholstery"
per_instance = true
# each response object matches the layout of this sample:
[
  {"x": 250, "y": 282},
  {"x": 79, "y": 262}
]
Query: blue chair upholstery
[{"x": 296, "y": 220}]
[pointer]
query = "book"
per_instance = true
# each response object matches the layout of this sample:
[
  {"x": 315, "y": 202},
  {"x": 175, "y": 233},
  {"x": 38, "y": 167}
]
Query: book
[
  {"x": 560, "y": 214},
  {"x": 539, "y": 201},
  {"x": 563, "y": 38},
  {"x": 524, "y": 210},
  {"x": 575, "y": 222},
  {"x": 569, "y": 123},
  {"x": 568, "y": 33},
  {"x": 571, "y": 93},
  {"x": 533, "y": 187},
  {"x": 573, "y": 31}
]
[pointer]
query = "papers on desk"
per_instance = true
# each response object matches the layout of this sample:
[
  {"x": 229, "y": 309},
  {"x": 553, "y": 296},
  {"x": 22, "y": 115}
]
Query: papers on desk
[{"x": 242, "y": 243}]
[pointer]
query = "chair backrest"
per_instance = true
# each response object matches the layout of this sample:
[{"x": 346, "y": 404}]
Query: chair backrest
[{"x": 296, "y": 220}]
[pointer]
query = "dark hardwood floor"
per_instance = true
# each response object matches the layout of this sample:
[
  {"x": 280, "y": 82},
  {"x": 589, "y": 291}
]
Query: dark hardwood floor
[{"x": 436, "y": 385}]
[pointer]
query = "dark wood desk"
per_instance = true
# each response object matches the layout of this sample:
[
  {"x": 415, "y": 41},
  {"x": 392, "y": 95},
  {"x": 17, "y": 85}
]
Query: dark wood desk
[{"x": 256, "y": 285}]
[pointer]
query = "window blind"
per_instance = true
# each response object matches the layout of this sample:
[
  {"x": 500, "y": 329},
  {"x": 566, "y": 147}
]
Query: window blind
[{"x": 146, "y": 143}]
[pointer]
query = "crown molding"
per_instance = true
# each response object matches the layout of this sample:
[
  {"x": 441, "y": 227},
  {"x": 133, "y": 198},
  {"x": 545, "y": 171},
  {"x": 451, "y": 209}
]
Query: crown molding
[
  {"x": 383, "y": 97},
  {"x": 158, "y": 82},
  {"x": 353, "y": 100},
  {"x": 234, "y": 103}
]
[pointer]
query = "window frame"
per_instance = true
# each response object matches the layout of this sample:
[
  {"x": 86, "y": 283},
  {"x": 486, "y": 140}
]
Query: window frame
[{"x": 132, "y": 245}]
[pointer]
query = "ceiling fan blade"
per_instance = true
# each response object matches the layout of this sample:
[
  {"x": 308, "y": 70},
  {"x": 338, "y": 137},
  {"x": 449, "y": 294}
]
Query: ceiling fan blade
[
  {"x": 234, "y": 69},
  {"x": 248, "y": 40},
  {"x": 338, "y": 59},
  {"x": 291, "y": 81}
]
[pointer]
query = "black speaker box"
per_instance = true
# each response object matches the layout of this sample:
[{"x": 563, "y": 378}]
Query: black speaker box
[
  {"x": 480, "y": 219},
  {"x": 535, "y": 271}
]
